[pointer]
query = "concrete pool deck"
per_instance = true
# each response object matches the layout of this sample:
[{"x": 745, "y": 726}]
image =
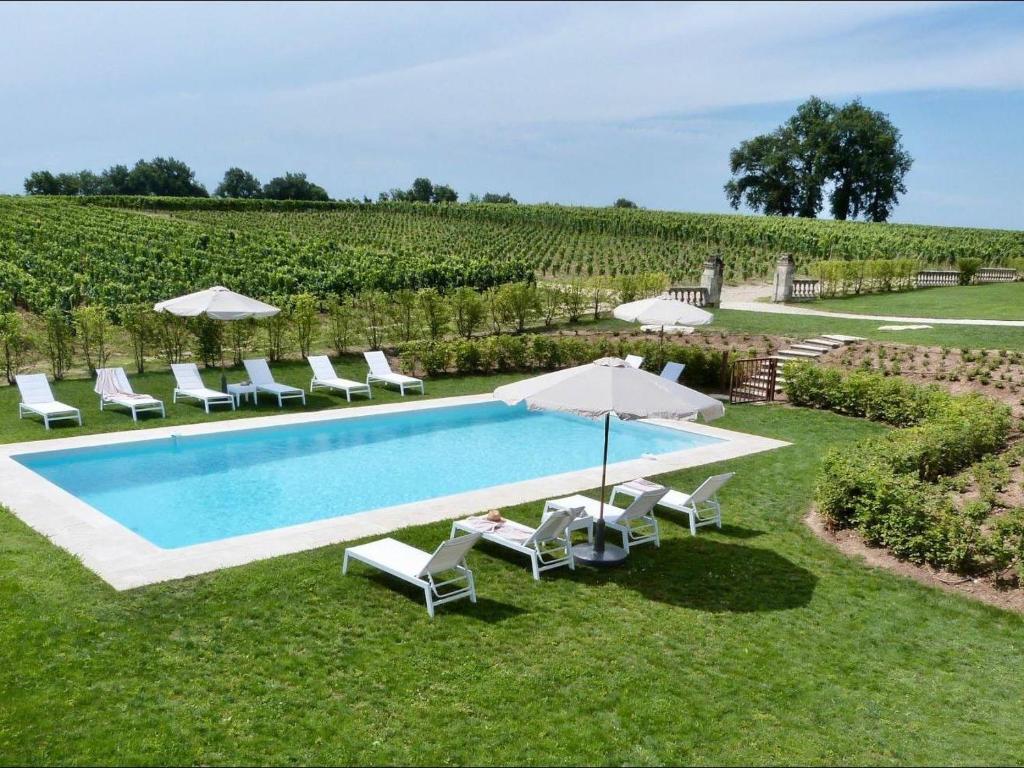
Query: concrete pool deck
[{"x": 125, "y": 560}]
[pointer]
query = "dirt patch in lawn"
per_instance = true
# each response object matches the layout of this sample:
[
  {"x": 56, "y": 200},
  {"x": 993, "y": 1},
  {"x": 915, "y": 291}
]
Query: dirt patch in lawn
[{"x": 983, "y": 589}]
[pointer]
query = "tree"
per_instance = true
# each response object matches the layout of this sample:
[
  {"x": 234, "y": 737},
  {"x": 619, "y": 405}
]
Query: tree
[
  {"x": 494, "y": 197},
  {"x": 867, "y": 163},
  {"x": 163, "y": 176},
  {"x": 623, "y": 202},
  {"x": 467, "y": 310},
  {"x": 115, "y": 180},
  {"x": 41, "y": 183},
  {"x": 421, "y": 191},
  {"x": 435, "y": 312},
  {"x": 239, "y": 183},
  {"x": 294, "y": 186},
  {"x": 852, "y": 153},
  {"x": 159, "y": 176},
  {"x": 14, "y": 344},
  {"x": 444, "y": 194}
]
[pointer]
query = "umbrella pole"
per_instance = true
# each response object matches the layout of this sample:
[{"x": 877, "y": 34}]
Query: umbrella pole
[
  {"x": 223, "y": 375},
  {"x": 599, "y": 530}
]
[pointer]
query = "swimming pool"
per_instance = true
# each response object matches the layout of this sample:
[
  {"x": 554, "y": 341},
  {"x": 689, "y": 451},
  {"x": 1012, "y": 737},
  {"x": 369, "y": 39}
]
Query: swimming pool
[{"x": 181, "y": 491}]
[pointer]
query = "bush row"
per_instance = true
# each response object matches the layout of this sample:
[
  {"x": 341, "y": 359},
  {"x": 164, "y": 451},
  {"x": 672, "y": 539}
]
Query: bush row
[
  {"x": 704, "y": 365},
  {"x": 886, "y": 487}
]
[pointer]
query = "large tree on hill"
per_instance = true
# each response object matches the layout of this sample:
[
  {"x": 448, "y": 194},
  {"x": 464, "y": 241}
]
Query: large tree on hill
[
  {"x": 294, "y": 186},
  {"x": 851, "y": 154},
  {"x": 239, "y": 183}
]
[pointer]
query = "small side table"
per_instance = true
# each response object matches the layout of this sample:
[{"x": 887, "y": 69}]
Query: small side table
[{"x": 237, "y": 391}]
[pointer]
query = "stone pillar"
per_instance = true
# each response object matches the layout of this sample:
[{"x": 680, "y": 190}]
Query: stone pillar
[
  {"x": 782, "y": 289},
  {"x": 712, "y": 279}
]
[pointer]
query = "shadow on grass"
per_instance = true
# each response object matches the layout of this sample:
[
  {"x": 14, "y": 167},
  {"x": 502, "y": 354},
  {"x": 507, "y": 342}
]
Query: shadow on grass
[
  {"x": 737, "y": 532},
  {"x": 715, "y": 576},
  {"x": 485, "y": 609}
]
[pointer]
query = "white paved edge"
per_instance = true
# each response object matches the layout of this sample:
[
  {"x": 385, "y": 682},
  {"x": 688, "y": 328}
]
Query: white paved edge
[
  {"x": 125, "y": 560},
  {"x": 789, "y": 309}
]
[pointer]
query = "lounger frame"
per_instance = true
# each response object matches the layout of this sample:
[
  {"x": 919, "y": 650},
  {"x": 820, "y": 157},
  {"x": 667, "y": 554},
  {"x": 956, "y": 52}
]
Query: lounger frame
[
  {"x": 438, "y": 564},
  {"x": 35, "y": 383},
  {"x": 263, "y": 379},
  {"x": 205, "y": 395},
  {"x": 403, "y": 382},
  {"x": 142, "y": 406},
  {"x": 546, "y": 551},
  {"x": 335, "y": 382}
]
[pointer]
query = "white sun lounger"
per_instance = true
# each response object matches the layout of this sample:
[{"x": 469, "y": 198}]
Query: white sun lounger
[
  {"x": 113, "y": 387},
  {"x": 190, "y": 384},
  {"x": 263, "y": 380},
  {"x": 634, "y": 361},
  {"x": 636, "y": 522},
  {"x": 380, "y": 370},
  {"x": 672, "y": 371},
  {"x": 37, "y": 398},
  {"x": 701, "y": 506},
  {"x": 324, "y": 377},
  {"x": 418, "y": 567},
  {"x": 548, "y": 546}
]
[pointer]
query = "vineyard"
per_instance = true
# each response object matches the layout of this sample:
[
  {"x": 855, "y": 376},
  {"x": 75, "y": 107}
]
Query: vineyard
[{"x": 119, "y": 250}]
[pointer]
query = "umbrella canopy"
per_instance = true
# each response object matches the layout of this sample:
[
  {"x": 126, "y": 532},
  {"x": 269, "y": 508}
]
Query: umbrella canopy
[
  {"x": 218, "y": 303},
  {"x": 610, "y": 386},
  {"x": 662, "y": 310},
  {"x": 599, "y": 389}
]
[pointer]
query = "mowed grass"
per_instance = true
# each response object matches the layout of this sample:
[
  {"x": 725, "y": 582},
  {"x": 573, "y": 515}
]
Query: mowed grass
[
  {"x": 806, "y": 326},
  {"x": 996, "y": 301},
  {"x": 751, "y": 645},
  {"x": 159, "y": 383}
]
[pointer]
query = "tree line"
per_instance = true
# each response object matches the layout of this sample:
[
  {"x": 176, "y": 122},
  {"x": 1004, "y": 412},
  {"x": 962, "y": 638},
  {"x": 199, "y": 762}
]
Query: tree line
[
  {"x": 89, "y": 333},
  {"x": 168, "y": 177}
]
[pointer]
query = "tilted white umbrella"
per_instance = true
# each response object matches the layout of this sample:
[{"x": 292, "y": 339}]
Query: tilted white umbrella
[
  {"x": 600, "y": 389},
  {"x": 217, "y": 303},
  {"x": 662, "y": 310}
]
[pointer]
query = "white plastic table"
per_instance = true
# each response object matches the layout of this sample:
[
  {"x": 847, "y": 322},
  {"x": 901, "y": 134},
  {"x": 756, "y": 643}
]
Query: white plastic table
[{"x": 237, "y": 391}]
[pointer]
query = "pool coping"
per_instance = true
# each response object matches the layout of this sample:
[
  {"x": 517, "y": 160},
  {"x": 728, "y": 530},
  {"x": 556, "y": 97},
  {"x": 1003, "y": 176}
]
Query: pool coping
[{"x": 126, "y": 560}]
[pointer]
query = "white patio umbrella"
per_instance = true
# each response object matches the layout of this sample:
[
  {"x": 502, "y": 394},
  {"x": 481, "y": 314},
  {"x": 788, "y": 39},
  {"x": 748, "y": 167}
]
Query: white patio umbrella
[
  {"x": 217, "y": 303},
  {"x": 662, "y": 310},
  {"x": 599, "y": 389}
]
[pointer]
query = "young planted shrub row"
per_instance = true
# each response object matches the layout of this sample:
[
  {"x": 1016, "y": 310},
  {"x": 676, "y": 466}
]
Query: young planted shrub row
[
  {"x": 886, "y": 488},
  {"x": 704, "y": 365}
]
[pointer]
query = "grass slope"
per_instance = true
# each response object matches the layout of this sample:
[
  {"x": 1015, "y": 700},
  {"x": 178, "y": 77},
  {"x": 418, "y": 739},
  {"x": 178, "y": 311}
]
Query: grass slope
[
  {"x": 757, "y": 644},
  {"x": 998, "y": 301}
]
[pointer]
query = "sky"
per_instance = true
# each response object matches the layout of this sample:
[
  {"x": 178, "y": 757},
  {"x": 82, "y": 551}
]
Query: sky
[{"x": 574, "y": 103}]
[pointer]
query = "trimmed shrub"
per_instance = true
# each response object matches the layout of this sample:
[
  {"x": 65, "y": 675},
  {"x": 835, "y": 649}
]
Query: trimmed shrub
[{"x": 885, "y": 487}]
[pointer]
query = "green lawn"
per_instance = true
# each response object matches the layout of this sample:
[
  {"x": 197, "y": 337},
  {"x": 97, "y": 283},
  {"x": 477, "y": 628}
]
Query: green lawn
[
  {"x": 804, "y": 326},
  {"x": 997, "y": 301},
  {"x": 757, "y": 644},
  {"x": 159, "y": 383}
]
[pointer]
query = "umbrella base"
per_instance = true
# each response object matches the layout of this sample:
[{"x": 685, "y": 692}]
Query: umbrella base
[{"x": 588, "y": 554}]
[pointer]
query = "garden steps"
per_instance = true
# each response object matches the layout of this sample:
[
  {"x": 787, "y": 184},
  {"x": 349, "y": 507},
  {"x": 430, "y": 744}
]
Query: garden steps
[{"x": 805, "y": 351}]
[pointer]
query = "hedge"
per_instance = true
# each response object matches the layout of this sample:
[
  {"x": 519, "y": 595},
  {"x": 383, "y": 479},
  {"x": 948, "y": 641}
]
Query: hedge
[
  {"x": 886, "y": 487},
  {"x": 508, "y": 353}
]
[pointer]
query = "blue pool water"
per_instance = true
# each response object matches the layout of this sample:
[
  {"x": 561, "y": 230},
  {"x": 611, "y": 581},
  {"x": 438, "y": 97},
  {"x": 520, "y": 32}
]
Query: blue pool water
[{"x": 187, "y": 490}]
